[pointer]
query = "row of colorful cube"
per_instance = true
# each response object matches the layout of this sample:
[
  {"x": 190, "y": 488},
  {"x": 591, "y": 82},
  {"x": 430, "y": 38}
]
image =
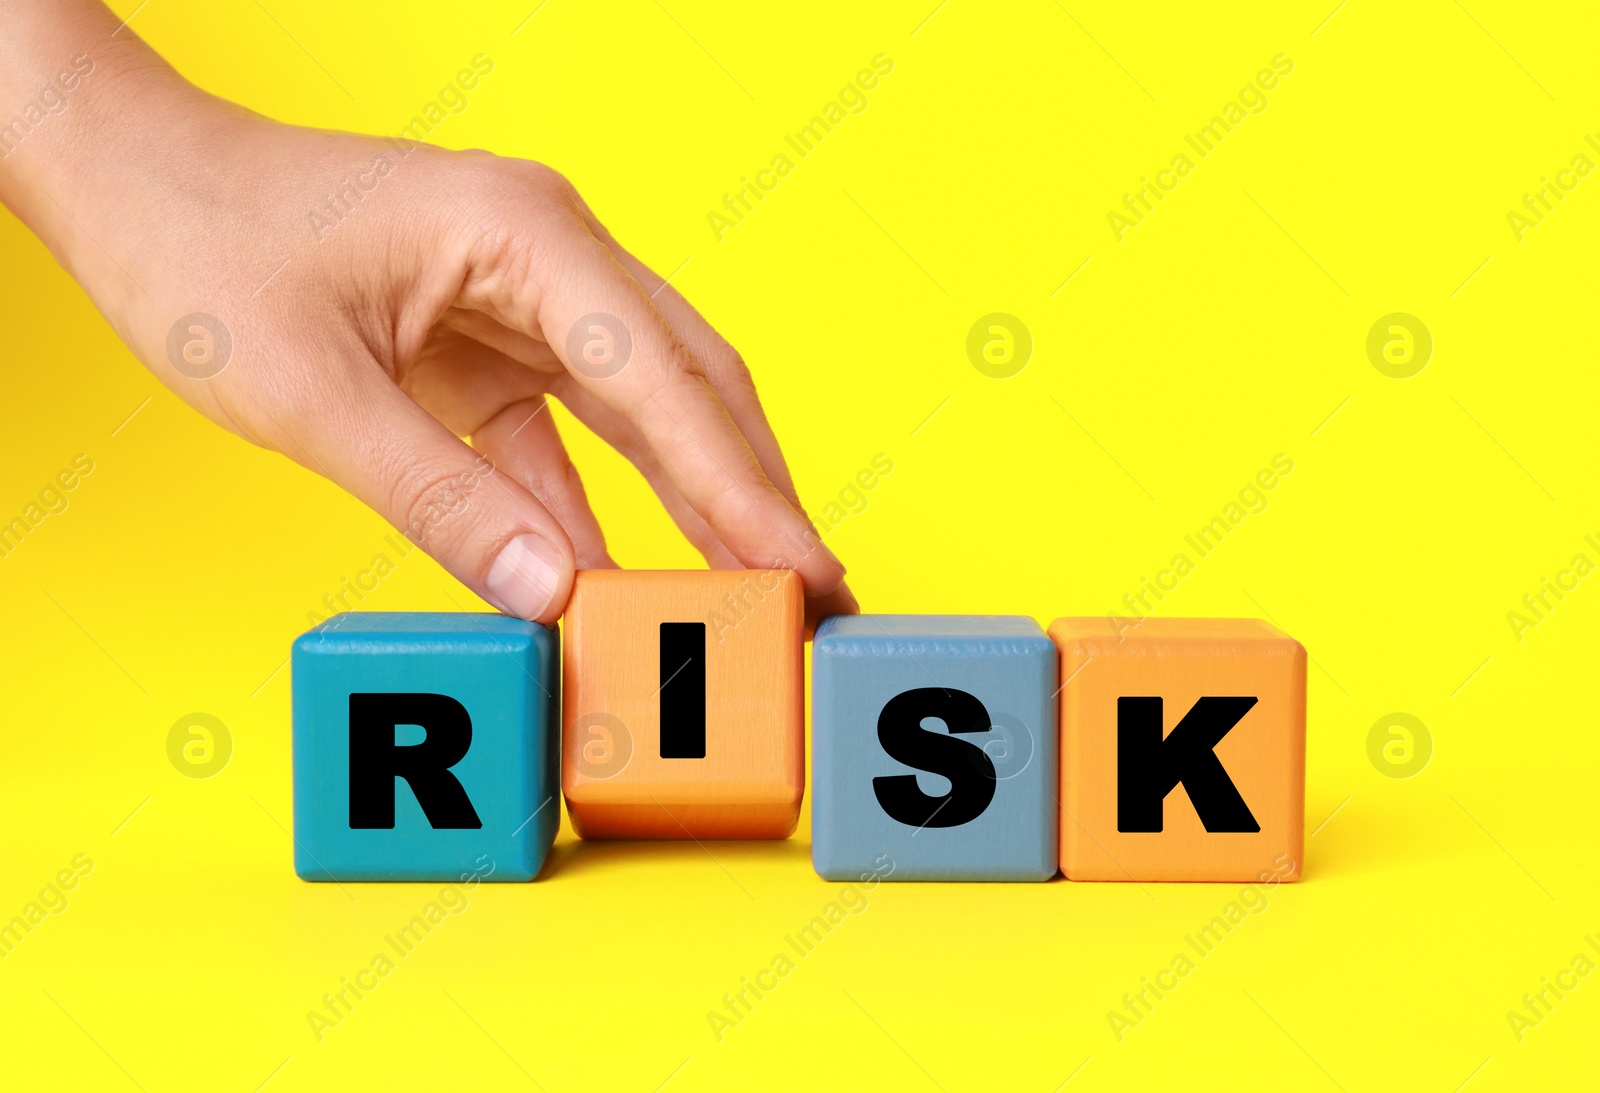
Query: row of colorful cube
[{"x": 973, "y": 748}]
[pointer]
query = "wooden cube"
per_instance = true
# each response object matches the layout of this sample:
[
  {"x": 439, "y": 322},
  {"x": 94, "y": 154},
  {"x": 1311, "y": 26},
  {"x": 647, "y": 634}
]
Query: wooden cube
[
  {"x": 684, "y": 709},
  {"x": 1183, "y": 750},
  {"x": 934, "y": 739},
  {"x": 424, "y": 747}
]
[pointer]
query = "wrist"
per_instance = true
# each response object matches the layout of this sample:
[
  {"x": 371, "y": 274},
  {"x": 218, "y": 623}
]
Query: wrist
[{"x": 82, "y": 130}]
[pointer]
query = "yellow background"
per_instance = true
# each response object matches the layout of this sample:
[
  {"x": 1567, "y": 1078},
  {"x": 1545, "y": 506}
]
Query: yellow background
[{"x": 1223, "y": 330}]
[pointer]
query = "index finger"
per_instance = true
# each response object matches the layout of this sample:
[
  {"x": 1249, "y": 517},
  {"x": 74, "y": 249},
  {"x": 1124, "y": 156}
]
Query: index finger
[{"x": 573, "y": 293}]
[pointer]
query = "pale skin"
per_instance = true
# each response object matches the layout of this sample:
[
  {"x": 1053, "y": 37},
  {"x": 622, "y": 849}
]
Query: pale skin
[{"x": 445, "y": 310}]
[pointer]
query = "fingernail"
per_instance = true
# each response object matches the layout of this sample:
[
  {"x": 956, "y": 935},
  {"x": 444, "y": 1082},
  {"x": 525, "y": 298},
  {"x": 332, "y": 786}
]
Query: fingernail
[{"x": 525, "y": 576}]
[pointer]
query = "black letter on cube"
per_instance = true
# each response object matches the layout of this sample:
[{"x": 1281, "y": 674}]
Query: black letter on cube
[
  {"x": 969, "y": 768},
  {"x": 1149, "y": 767},
  {"x": 376, "y": 760},
  {"x": 683, "y": 690}
]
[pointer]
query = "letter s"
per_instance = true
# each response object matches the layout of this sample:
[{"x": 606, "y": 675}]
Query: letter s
[{"x": 965, "y": 764}]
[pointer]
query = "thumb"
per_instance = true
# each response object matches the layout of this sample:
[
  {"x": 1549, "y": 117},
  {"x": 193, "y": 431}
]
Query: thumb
[{"x": 481, "y": 525}]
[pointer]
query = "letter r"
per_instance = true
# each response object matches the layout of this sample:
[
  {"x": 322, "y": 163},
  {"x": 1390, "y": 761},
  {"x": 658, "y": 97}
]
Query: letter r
[
  {"x": 1150, "y": 767},
  {"x": 376, "y": 760}
]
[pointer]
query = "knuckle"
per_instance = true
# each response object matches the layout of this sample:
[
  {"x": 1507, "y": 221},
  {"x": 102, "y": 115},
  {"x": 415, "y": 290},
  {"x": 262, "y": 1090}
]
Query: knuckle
[
  {"x": 545, "y": 183},
  {"x": 553, "y": 180},
  {"x": 677, "y": 378},
  {"x": 565, "y": 476},
  {"x": 732, "y": 505},
  {"x": 429, "y": 499},
  {"x": 553, "y": 478},
  {"x": 684, "y": 366}
]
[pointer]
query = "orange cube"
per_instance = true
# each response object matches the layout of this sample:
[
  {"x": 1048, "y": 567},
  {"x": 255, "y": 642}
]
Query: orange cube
[
  {"x": 683, "y": 704},
  {"x": 1183, "y": 747}
]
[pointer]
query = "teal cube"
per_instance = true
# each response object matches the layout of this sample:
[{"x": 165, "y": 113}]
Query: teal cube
[
  {"x": 934, "y": 744},
  {"x": 426, "y": 747}
]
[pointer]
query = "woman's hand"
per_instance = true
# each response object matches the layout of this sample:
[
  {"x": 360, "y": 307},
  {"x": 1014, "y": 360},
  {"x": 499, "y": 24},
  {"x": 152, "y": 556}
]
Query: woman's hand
[{"x": 360, "y": 304}]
